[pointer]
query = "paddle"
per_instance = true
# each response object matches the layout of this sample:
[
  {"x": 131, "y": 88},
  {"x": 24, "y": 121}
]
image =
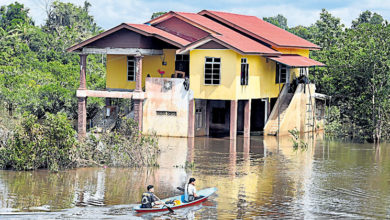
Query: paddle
[
  {"x": 179, "y": 188},
  {"x": 169, "y": 208}
]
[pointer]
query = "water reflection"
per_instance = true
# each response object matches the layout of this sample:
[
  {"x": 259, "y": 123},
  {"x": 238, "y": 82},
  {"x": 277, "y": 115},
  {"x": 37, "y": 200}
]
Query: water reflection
[{"x": 259, "y": 176}]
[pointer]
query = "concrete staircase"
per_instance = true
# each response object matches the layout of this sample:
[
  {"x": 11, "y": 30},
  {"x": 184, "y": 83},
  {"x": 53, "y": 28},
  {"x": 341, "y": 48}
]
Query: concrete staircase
[
  {"x": 102, "y": 123},
  {"x": 283, "y": 107}
]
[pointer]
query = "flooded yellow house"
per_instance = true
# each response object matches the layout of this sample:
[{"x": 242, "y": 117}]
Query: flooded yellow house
[{"x": 206, "y": 74}]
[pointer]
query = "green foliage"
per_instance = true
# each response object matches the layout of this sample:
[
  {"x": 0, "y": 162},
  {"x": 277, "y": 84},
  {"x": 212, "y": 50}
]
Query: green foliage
[
  {"x": 278, "y": 20},
  {"x": 158, "y": 14},
  {"x": 48, "y": 143},
  {"x": 124, "y": 147},
  {"x": 36, "y": 73},
  {"x": 13, "y": 15},
  {"x": 297, "y": 141},
  {"x": 367, "y": 17}
]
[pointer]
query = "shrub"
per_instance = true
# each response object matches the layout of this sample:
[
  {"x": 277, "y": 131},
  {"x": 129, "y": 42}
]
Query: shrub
[
  {"x": 123, "y": 147},
  {"x": 49, "y": 143}
]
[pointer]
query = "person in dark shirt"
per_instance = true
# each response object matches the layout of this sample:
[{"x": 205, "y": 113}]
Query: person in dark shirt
[{"x": 149, "y": 199}]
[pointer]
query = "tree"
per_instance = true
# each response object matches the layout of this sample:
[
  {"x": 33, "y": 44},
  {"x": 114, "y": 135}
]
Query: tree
[
  {"x": 63, "y": 16},
  {"x": 158, "y": 14},
  {"x": 303, "y": 32},
  {"x": 278, "y": 20},
  {"x": 14, "y": 14},
  {"x": 327, "y": 30},
  {"x": 367, "y": 17}
]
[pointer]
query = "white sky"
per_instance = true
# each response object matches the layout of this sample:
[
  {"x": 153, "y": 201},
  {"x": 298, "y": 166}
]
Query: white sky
[{"x": 109, "y": 13}]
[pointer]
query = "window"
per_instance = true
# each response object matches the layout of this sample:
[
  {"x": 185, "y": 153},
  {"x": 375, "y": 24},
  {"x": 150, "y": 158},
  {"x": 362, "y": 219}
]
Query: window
[
  {"x": 130, "y": 69},
  {"x": 166, "y": 113},
  {"x": 283, "y": 73},
  {"x": 212, "y": 71},
  {"x": 244, "y": 71},
  {"x": 302, "y": 71},
  {"x": 182, "y": 57}
]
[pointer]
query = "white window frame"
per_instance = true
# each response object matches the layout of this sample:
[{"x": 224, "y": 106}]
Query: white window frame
[
  {"x": 212, "y": 68},
  {"x": 244, "y": 61},
  {"x": 282, "y": 66},
  {"x": 130, "y": 58}
]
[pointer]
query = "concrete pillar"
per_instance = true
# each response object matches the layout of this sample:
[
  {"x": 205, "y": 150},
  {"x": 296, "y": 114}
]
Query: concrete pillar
[
  {"x": 82, "y": 101},
  {"x": 138, "y": 112},
  {"x": 138, "y": 69},
  {"x": 246, "y": 149},
  {"x": 247, "y": 118},
  {"x": 208, "y": 113},
  {"x": 83, "y": 67},
  {"x": 233, "y": 158},
  {"x": 233, "y": 119},
  {"x": 191, "y": 119},
  {"x": 138, "y": 96},
  {"x": 190, "y": 150},
  {"x": 82, "y": 118}
]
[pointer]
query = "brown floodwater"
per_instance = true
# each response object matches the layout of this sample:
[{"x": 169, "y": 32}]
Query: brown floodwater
[{"x": 256, "y": 178}]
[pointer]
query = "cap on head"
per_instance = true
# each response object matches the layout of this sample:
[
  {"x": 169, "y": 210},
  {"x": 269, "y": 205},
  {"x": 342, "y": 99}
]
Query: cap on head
[
  {"x": 191, "y": 180},
  {"x": 150, "y": 187}
]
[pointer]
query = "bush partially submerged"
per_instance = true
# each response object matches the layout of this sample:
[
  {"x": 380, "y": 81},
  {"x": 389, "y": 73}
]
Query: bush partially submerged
[
  {"x": 124, "y": 147},
  {"x": 34, "y": 144},
  {"x": 51, "y": 143}
]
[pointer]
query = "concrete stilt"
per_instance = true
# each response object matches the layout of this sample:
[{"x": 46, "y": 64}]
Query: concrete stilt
[
  {"x": 138, "y": 96},
  {"x": 82, "y": 104},
  {"x": 247, "y": 118},
  {"x": 208, "y": 113},
  {"x": 191, "y": 119},
  {"x": 233, "y": 119},
  {"x": 82, "y": 118},
  {"x": 233, "y": 158},
  {"x": 138, "y": 112}
]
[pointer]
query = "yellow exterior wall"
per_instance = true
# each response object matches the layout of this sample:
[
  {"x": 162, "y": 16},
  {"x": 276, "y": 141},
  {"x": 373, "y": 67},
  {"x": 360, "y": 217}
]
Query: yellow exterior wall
[
  {"x": 226, "y": 89},
  {"x": 302, "y": 52},
  {"x": 117, "y": 69},
  {"x": 261, "y": 83}
]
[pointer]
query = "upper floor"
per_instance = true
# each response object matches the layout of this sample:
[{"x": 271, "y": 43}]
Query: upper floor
[{"x": 225, "y": 56}]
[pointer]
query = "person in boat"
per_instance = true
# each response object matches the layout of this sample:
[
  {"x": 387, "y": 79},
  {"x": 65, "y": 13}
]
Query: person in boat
[
  {"x": 190, "y": 191},
  {"x": 149, "y": 199}
]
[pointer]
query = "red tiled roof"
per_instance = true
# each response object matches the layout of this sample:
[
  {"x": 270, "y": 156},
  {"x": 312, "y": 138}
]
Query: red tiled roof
[
  {"x": 260, "y": 29},
  {"x": 295, "y": 60},
  {"x": 155, "y": 31},
  {"x": 228, "y": 36}
]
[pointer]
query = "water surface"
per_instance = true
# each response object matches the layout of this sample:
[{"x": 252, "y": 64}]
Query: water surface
[{"x": 261, "y": 177}]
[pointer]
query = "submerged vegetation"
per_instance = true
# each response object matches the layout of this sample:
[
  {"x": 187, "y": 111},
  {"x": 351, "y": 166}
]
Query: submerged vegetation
[
  {"x": 298, "y": 142},
  {"x": 51, "y": 143}
]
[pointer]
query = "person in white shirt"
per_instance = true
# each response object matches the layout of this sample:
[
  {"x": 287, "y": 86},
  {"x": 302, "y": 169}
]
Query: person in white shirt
[{"x": 190, "y": 191}]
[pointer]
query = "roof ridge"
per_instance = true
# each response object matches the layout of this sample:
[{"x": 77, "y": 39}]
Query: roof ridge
[{"x": 230, "y": 13}]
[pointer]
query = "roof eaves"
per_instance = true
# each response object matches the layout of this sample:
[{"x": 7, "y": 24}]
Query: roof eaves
[
  {"x": 97, "y": 37},
  {"x": 119, "y": 27}
]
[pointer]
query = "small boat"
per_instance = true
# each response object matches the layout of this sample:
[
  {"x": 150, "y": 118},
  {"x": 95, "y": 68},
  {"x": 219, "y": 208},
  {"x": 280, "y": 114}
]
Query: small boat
[{"x": 206, "y": 193}]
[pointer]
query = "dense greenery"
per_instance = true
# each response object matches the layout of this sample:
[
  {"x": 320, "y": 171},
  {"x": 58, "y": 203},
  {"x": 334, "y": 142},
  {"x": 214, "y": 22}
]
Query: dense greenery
[
  {"x": 38, "y": 82},
  {"x": 357, "y": 75}
]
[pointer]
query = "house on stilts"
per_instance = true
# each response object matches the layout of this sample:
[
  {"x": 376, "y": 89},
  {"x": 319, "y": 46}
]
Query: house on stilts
[{"x": 207, "y": 73}]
